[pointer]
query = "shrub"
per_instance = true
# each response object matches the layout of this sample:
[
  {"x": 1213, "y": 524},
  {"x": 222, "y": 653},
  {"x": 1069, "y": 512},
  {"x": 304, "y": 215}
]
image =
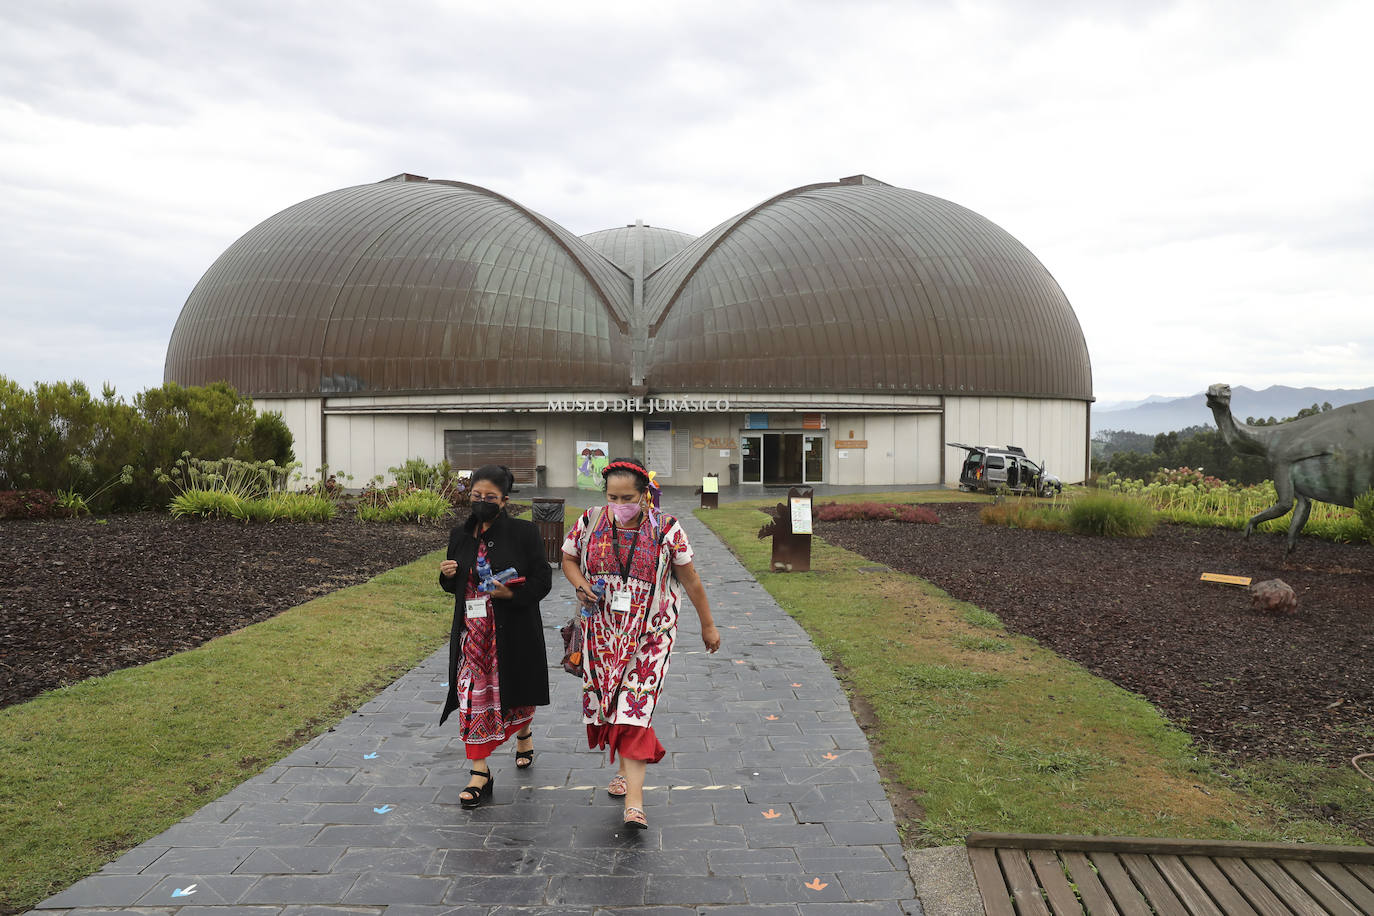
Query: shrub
[
  {"x": 27, "y": 504},
  {"x": 884, "y": 512},
  {"x": 272, "y": 439},
  {"x": 1109, "y": 515}
]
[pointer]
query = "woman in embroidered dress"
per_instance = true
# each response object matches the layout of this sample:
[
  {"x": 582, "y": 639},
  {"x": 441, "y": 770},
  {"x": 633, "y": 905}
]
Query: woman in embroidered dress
[
  {"x": 630, "y": 566},
  {"x": 497, "y": 669}
]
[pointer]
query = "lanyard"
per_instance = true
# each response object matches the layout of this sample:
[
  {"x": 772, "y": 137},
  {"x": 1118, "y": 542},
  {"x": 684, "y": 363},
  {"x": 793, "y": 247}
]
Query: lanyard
[{"x": 615, "y": 545}]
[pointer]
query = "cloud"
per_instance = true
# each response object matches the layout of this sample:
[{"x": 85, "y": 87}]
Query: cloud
[{"x": 1192, "y": 173}]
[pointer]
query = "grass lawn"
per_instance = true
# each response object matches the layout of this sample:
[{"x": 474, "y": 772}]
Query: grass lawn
[{"x": 978, "y": 729}]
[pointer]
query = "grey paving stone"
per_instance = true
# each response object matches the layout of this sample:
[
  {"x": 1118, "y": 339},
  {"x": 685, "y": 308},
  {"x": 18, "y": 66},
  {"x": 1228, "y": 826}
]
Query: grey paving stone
[
  {"x": 135, "y": 860},
  {"x": 862, "y": 833},
  {"x": 229, "y": 911},
  {"x": 204, "y": 890},
  {"x": 754, "y": 862},
  {"x": 884, "y": 908},
  {"x": 332, "y": 911},
  {"x": 403, "y": 860},
  {"x": 274, "y": 835},
  {"x": 290, "y": 860},
  {"x": 382, "y": 889},
  {"x": 597, "y": 890},
  {"x": 198, "y": 860},
  {"x": 694, "y": 890},
  {"x": 883, "y": 885},
  {"x": 715, "y": 837},
  {"x": 498, "y": 889},
  {"x": 794, "y": 836},
  {"x": 808, "y": 888},
  {"x": 288, "y": 889},
  {"x": 102, "y": 890}
]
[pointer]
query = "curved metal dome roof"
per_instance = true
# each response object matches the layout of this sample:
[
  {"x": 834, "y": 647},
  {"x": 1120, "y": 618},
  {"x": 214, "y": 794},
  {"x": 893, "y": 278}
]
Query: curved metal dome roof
[
  {"x": 412, "y": 285},
  {"x": 857, "y": 285},
  {"x": 405, "y": 285},
  {"x": 620, "y": 245}
]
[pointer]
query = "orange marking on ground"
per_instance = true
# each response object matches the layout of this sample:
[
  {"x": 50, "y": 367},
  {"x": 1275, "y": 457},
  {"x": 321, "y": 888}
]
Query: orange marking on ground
[
  {"x": 771, "y": 718},
  {"x": 816, "y": 884},
  {"x": 770, "y": 814},
  {"x": 796, "y": 685},
  {"x": 831, "y": 756}
]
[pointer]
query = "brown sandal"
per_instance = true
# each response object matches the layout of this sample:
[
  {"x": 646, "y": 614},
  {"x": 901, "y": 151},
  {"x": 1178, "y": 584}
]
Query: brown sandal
[
  {"x": 635, "y": 819},
  {"x": 617, "y": 788}
]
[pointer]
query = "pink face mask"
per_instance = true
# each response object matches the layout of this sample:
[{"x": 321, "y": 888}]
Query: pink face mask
[{"x": 625, "y": 512}]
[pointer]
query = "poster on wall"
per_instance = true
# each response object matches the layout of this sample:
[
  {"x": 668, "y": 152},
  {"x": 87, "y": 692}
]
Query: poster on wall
[{"x": 592, "y": 458}]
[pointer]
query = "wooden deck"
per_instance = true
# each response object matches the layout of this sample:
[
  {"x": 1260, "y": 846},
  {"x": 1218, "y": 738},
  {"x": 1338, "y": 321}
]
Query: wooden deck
[{"x": 1034, "y": 875}]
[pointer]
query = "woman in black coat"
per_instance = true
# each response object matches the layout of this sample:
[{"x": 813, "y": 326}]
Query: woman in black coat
[{"x": 497, "y": 669}]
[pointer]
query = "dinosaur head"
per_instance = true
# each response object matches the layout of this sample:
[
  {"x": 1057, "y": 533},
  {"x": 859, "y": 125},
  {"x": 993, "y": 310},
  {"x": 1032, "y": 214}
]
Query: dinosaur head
[{"x": 1219, "y": 396}]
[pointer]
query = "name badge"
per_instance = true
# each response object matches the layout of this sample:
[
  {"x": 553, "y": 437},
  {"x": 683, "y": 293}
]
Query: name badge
[
  {"x": 621, "y": 602},
  {"x": 477, "y": 607}
]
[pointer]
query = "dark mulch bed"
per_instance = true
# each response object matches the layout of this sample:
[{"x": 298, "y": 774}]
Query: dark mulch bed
[
  {"x": 82, "y": 597},
  {"x": 1134, "y": 611}
]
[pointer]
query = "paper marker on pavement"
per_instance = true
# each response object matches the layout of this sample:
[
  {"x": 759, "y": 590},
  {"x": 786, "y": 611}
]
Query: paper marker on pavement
[
  {"x": 190, "y": 889},
  {"x": 383, "y": 809}
]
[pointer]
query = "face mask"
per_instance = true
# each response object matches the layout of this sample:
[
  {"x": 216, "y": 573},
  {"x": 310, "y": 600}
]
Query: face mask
[
  {"x": 485, "y": 512},
  {"x": 625, "y": 512}
]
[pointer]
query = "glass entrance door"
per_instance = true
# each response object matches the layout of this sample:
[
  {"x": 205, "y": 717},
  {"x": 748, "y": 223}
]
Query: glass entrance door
[
  {"x": 751, "y": 457},
  {"x": 813, "y": 459}
]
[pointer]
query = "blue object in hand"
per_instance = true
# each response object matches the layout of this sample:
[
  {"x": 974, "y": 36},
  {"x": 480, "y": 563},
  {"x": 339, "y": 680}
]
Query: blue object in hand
[
  {"x": 598, "y": 589},
  {"x": 487, "y": 581}
]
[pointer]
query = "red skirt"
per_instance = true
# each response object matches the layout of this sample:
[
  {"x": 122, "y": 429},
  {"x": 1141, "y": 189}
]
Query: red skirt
[{"x": 633, "y": 742}]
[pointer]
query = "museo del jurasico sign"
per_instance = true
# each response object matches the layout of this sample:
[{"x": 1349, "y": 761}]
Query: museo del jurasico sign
[{"x": 639, "y": 405}]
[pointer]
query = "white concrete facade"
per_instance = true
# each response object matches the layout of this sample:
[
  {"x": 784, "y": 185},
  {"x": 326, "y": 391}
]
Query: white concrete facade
[{"x": 867, "y": 440}]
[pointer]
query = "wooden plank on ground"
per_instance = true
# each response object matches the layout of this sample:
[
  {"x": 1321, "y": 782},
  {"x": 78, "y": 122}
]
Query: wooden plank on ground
[
  {"x": 1050, "y": 873},
  {"x": 1189, "y": 892},
  {"x": 1364, "y": 872},
  {"x": 1250, "y": 885},
  {"x": 1152, "y": 884},
  {"x": 1095, "y": 896},
  {"x": 1360, "y": 896},
  {"x": 1119, "y": 884},
  {"x": 991, "y": 887},
  {"x": 1173, "y": 846},
  {"x": 1320, "y": 889},
  {"x": 1025, "y": 890},
  {"x": 1218, "y": 885},
  {"x": 1285, "y": 888}
]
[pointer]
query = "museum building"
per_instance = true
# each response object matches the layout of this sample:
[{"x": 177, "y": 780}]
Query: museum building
[{"x": 839, "y": 333}]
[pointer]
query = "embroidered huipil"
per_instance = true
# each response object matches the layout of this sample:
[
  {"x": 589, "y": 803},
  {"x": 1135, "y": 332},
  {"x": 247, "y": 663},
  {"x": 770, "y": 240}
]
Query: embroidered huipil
[
  {"x": 625, "y": 654},
  {"x": 482, "y": 723}
]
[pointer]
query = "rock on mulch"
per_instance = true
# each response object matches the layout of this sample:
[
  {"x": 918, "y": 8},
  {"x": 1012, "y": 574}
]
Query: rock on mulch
[{"x": 83, "y": 597}]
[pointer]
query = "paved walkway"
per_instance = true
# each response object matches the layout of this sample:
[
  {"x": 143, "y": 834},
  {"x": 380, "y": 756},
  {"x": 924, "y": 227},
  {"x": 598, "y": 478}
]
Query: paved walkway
[{"x": 768, "y": 801}]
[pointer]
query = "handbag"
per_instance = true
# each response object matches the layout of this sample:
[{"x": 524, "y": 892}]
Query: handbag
[{"x": 572, "y": 646}]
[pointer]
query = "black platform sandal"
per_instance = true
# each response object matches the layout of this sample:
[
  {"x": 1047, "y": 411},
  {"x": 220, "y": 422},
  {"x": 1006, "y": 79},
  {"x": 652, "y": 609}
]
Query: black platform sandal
[
  {"x": 524, "y": 759},
  {"x": 472, "y": 796}
]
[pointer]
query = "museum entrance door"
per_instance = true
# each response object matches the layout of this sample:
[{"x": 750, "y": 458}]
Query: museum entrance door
[{"x": 781, "y": 459}]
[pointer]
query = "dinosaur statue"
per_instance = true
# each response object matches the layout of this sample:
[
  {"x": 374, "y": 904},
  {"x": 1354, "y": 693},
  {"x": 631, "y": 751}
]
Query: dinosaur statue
[{"x": 1328, "y": 456}]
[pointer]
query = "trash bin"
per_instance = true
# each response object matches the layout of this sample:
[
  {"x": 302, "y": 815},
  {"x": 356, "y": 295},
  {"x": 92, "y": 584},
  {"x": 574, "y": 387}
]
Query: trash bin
[
  {"x": 541, "y": 476},
  {"x": 734, "y": 475},
  {"x": 547, "y": 515}
]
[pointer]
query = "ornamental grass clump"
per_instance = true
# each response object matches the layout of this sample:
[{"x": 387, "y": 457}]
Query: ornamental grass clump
[
  {"x": 1108, "y": 515},
  {"x": 249, "y": 491},
  {"x": 416, "y": 506},
  {"x": 1023, "y": 513}
]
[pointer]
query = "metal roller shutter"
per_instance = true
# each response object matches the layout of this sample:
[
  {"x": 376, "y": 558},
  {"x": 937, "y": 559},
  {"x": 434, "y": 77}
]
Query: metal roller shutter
[{"x": 469, "y": 449}]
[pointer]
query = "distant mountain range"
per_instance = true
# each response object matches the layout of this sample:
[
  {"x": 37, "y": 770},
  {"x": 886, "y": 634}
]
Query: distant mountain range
[{"x": 1161, "y": 415}]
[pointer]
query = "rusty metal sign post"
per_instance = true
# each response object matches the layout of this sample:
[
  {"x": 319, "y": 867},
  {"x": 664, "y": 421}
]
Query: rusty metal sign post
[{"x": 791, "y": 531}]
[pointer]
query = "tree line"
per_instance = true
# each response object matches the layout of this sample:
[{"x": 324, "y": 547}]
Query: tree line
[
  {"x": 1139, "y": 455},
  {"x": 59, "y": 437}
]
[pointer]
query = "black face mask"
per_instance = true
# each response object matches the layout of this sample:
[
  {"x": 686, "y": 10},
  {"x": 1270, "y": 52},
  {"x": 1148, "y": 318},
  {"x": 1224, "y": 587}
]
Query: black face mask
[{"x": 485, "y": 512}]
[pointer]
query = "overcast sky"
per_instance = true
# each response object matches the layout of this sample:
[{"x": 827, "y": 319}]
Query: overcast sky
[{"x": 1199, "y": 177}]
